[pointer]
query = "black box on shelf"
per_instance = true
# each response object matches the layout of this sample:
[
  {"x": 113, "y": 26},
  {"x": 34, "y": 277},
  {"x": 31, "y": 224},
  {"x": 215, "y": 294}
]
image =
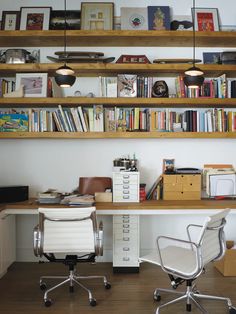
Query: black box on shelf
[{"x": 14, "y": 193}]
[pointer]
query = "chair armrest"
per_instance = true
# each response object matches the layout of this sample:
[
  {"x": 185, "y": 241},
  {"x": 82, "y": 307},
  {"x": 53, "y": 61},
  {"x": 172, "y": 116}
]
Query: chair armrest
[
  {"x": 99, "y": 240},
  {"x": 37, "y": 241}
]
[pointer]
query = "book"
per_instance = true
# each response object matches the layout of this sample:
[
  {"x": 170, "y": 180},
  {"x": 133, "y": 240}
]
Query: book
[
  {"x": 158, "y": 17},
  {"x": 14, "y": 122},
  {"x": 133, "y": 18},
  {"x": 127, "y": 85}
]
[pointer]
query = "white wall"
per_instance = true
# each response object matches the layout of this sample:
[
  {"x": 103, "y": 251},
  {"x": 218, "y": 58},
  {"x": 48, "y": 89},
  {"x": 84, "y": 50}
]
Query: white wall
[{"x": 43, "y": 164}]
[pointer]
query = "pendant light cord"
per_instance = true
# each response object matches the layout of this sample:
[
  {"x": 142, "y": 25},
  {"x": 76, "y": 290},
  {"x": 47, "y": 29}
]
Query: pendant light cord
[
  {"x": 65, "y": 21},
  {"x": 194, "y": 34}
]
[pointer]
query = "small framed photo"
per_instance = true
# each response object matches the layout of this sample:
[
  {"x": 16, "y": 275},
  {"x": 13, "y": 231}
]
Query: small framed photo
[
  {"x": 206, "y": 19},
  {"x": 35, "y": 18},
  {"x": 168, "y": 165},
  {"x": 97, "y": 15},
  {"x": 212, "y": 57},
  {"x": 57, "y": 19},
  {"x": 10, "y": 20},
  {"x": 158, "y": 18},
  {"x": 35, "y": 84}
]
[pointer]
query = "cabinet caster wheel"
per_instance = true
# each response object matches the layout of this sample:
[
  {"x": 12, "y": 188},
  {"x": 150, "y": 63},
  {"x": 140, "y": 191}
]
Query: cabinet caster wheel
[
  {"x": 157, "y": 297},
  {"x": 93, "y": 302},
  {"x": 48, "y": 302},
  {"x": 43, "y": 286},
  {"x": 107, "y": 285},
  {"x": 71, "y": 289}
]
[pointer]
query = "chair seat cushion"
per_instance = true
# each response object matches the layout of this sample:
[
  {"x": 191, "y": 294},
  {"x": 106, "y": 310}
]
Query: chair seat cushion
[{"x": 174, "y": 258}]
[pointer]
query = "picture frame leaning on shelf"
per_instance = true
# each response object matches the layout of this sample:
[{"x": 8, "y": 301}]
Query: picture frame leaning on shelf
[
  {"x": 206, "y": 19},
  {"x": 97, "y": 15},
  {"x": 35, "y": 18}
]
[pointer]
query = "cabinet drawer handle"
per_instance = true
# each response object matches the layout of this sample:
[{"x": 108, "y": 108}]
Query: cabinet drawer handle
[
  {"x": 125, "y": 192},
  {"x": 125, "y": 249},
  {"x": 126, "y": 216},
  {"x": 125, "y": 181},
  {"x": 125, "y": 238},
  {"x": 126, "y": 226},
  {"x": 125, "y": 186},
  {"x": 125, "y": 197},
  {"x": 125, "y": 259},
  {"x": 125, "y": 220},
  {"x": 126, "y": 176},
  {"x": 125, "y": 230}
]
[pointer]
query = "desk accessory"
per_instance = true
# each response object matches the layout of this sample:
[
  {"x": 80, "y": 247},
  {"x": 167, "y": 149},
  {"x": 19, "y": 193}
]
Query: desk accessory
[{"x": 14, "y": 193}]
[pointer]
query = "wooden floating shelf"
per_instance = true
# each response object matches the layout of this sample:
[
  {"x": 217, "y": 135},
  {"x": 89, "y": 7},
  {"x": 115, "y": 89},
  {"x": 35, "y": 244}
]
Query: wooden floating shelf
[
  {"x": 120, "y": 102},
  {"x": 114, "y": 135},
  {"x": 104, "y": 69},
  {"x": 115, "y": 38}
]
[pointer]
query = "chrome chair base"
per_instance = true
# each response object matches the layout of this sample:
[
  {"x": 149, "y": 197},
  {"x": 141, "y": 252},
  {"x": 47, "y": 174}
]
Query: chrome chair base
[
  {"x": 72, "y": 279},
  {"x": 191, "y": 295}
]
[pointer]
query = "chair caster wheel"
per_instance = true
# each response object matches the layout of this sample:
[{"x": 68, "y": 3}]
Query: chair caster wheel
[
  {"x": 93, "y": 302},
  {"x": 43, "y": 286},
  {"x": 71, "y": 289},
  {"x": 48, "y": 302},
  {"x": 107, "y": 285},
  {"x": 188, "y": 307},
  {"x": 232, "y": 310},
  {"x": 157, "y": 296}
]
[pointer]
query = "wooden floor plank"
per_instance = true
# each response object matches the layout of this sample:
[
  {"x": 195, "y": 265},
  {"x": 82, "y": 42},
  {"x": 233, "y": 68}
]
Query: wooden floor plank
[{"x": 130, "y": 293}]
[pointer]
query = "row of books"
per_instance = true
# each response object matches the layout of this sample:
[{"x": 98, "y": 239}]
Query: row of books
[
  {"x": 116, "y": 119},
  {"x": 6, "y": 86},
  {"x": 220, "y": 87},
  {"x": 126, "y": 85}
]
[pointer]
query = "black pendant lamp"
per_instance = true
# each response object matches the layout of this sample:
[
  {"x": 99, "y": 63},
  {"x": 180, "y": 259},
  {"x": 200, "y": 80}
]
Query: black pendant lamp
[
  {"x": 193, "y": 76},
  {"x": 65, "y": 76}
]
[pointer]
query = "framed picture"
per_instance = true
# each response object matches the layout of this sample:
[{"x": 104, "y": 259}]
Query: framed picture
[
  {"x": 10, "y": 20},
  {"x": 97, "y": 15},
  {"x": 35, "y": 84},
  {"x": 206, "y": 19},
  {"x": 158, "y": 18},
  {"x": 57, "y": 19},
  {"x": 168, "y": 165},
  {"x": 134, "y": 18},
  {"x": 35, "y": 18},
  {"x": 212, "y": 57}
]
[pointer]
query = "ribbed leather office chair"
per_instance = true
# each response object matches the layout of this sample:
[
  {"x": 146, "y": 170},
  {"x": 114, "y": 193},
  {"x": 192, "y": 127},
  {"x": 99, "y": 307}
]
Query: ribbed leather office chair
[
  {"x": 73, "y": 232},
  {"x": 185, "y": 260}
]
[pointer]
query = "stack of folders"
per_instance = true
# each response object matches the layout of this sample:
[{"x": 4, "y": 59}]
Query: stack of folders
[{"x": 78, "y": 200}]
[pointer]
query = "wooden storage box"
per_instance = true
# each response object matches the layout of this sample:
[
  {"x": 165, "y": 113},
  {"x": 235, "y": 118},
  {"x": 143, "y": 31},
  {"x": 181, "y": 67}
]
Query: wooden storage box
[
  {"x": 227, "y": 265},
  {"x": 182, "y": 186}
]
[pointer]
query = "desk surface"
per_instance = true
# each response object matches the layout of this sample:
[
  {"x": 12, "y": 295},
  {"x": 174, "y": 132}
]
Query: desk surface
[{"x": 146, "y": 205}]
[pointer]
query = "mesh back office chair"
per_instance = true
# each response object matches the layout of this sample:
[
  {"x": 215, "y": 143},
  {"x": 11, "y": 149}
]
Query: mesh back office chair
[
  {"x": 71, "y": 231},
  {"x": 185, "y": 260}
]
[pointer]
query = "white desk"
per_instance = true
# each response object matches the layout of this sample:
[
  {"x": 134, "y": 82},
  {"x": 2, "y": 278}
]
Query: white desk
[{"x": 123, "y": 254}]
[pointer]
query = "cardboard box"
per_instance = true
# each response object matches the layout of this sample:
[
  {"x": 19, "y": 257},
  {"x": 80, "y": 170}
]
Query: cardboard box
[
  {"x": 182, "y": 186},
  {"x": 227, "y": 265}
]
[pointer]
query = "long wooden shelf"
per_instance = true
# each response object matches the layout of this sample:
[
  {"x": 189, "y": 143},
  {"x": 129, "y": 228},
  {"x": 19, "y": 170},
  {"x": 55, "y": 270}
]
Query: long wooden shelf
[
  {"x": 104, "y": 69},
  {"x": 115, "y": 38},
  {"x": 114, "y": 135},
  {"x": 122, "y": 101}
]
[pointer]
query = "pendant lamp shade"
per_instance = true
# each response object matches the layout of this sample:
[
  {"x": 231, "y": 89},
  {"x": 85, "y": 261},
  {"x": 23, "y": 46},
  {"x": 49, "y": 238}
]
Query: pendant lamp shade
[
  {"x": 65, "y": 76},
  {"x": 193, "y": 76}
]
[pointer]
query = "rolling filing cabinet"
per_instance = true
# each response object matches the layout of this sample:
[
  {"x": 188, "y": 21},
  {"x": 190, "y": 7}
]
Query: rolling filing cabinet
[
  {"x": 126, "y": 186},
  {"x": 125, "y": 243}
]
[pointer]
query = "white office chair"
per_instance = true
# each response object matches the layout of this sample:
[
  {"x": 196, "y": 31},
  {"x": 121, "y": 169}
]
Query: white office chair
[
  {"x": 73, "y": 232},
  {"x": 185, "y": 260}
]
